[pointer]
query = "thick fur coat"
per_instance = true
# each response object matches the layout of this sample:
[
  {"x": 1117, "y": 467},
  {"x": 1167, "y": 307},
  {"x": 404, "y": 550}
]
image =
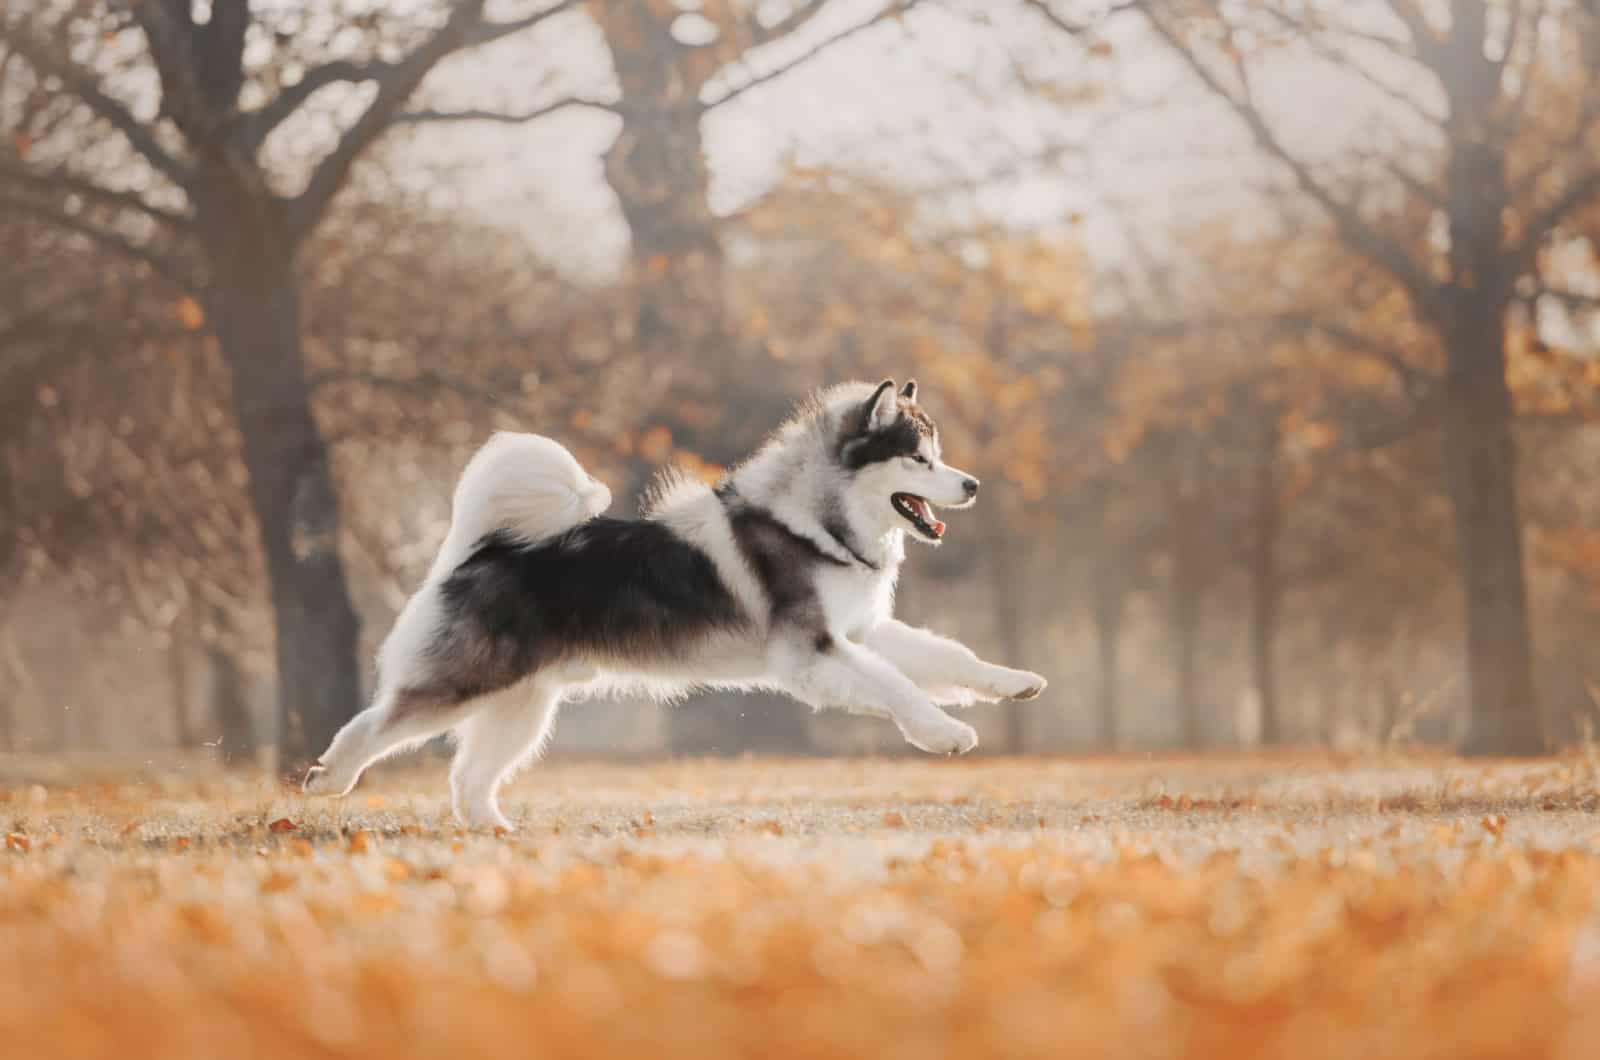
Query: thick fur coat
[{"x": 781, "y": 577}]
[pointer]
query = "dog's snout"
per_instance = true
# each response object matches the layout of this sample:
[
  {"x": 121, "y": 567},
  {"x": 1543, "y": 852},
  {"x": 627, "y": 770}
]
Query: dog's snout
[{"x": 971, "y": 486}]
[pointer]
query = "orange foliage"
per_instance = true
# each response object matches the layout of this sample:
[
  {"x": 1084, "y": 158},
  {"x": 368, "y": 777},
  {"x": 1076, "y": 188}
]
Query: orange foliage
[{"x": 900, "y": 909}]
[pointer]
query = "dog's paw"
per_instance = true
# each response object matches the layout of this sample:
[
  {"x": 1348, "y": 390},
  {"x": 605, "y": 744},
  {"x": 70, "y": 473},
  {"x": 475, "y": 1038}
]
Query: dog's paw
[
  {"x": 942, "y": 736},
  {"x": 1021, "y": 684},
  {"x": 318, "y": 782},
  {"x": 483, "y": 816}
]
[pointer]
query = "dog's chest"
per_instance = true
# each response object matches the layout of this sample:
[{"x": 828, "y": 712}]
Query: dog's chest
[{"x": 854, "y": 599}]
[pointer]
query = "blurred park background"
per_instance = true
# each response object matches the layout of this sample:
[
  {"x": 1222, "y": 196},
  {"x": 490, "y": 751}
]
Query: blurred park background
[{"x": 1273, "y": 325}]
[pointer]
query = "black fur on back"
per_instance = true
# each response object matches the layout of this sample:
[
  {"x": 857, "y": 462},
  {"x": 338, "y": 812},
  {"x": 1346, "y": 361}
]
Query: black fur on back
[{"x": 617, "y": 589}]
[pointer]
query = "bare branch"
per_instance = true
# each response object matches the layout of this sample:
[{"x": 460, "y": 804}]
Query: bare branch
[
  {"x": 166, "y": 266},
  {"x": 174, "y": 42},
  {"x": 489, "y": 32},
  {"x": 1398, "y": 96},
  {"x": 256, "y": 125},
  {"x": 220, "y": 51},
  {"x": 424, "y": 117},
  {"x": 1424, "y": 39},
  {"x": 85, "y": 86},
  {"x": 1413, "y": 183},
  {"x": 58, "y": 180},
  {"x": 1569, "y": 300},
  {"x": 894, "y": 10},
  {"x": 1353, "y": 228},
  {"x": 1072, "y": 28},
  {"x": 1573, "y": 144},
  {"x": 1579, "y": 194},
  {"x": 393, "y": 90},
  {"x": 1309, "y": 26},
  {"x": 1415, "y": 381},
  {"x": 794, "y": 20}
]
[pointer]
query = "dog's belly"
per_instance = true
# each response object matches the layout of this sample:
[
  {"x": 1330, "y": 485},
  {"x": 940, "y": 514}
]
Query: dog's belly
[{"x": 723, "y": 661}]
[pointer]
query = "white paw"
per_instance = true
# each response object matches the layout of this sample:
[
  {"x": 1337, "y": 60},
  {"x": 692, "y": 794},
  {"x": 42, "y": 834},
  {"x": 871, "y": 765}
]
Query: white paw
[
  {"x": 319, "y": 781},
  {"x": 1020, "y": 684},
  {"x": 483, "y": 817},
  {"x": 941, "y": 735}
]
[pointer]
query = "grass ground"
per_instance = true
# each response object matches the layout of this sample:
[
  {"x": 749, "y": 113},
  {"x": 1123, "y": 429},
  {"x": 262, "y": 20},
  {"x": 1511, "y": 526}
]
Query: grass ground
[{"x": 1167, "y": 907}]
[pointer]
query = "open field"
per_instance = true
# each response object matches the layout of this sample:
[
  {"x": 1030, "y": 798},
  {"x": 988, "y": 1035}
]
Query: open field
[{"x": 1298, "y": 906}]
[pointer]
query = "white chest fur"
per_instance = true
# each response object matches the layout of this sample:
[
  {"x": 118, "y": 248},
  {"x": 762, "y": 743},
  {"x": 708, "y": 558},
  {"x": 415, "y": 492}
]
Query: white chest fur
[{"x": 855, "y": 598}]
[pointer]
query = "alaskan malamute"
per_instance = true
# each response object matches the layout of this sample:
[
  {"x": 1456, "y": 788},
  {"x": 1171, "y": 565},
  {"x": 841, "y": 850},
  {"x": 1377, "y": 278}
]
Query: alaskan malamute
[{"x": 782, "y": 577}]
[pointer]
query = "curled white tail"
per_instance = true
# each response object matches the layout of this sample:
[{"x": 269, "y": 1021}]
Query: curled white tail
[{"x": 523, "y": 483}]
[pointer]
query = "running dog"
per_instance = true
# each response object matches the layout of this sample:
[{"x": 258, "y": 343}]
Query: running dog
[{"x": 781, "y": 577}]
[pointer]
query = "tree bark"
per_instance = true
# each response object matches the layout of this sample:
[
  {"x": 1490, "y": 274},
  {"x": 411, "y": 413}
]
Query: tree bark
[
  {"x": 1187, "y": 591},
  {"x": 254, "y": 305},
  {"x": 657, "y": 169},
  {"x": 178, "y": 658},
  {"x": 8, "y": 719},
  {"x": 1480, "y": 455},
  {"x": 1480, "y": 459},
  {"x": 1265, "y": 588},
  {"x": 225, "y": 691},
  {"x": 1186, "y": 596},
  {"x": 1110, "y": 595}
]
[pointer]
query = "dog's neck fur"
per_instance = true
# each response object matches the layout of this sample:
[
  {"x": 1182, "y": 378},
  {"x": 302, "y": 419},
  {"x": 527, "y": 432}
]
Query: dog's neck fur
[{"x": 795, "y": 476}]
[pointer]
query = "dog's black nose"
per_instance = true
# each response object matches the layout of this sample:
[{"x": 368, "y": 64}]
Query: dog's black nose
[{"x": 971, "y": 486}]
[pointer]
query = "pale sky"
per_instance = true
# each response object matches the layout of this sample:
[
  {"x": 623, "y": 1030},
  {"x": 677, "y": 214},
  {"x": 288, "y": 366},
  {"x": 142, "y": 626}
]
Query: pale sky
[{"x": 929, "y": 101}]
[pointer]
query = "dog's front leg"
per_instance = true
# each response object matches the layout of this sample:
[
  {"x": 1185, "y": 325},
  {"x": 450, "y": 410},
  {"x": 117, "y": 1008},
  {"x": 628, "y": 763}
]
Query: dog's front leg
[
  {"x": 833, "y": 672},
  {"x": 940, "y": 664}
]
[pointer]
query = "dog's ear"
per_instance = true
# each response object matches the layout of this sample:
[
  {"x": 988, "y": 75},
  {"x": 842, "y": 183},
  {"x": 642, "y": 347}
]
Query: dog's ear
[
  {"x": 882, "y": 408},
  {"x": 909, "y": 391}
]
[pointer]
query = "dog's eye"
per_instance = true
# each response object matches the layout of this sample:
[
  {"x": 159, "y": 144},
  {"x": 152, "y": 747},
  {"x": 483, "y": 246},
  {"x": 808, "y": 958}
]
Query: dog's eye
[{"x": 920, "y": 459}]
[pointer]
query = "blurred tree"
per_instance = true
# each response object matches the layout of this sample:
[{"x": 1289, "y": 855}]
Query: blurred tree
[
  {"x": 145, "y": 128},
  {"x": 674, "y": 67},
  {"x": 675, "y": 64},
  {"x": 1486, "y": 182}
]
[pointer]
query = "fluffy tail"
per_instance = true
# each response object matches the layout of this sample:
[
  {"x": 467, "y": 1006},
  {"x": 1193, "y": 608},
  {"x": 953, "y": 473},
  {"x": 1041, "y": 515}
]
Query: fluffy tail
[{"x": 524, "y": 483}]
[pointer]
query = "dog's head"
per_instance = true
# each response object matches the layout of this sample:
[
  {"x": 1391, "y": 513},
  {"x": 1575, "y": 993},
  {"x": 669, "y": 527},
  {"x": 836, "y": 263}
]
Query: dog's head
[{"x": 890, "y": 448}]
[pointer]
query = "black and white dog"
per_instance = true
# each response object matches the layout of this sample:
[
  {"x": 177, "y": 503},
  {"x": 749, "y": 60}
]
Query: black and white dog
[{"x": 782, "y": 577}]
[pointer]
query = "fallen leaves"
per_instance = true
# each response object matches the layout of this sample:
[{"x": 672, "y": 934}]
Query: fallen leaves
[{"x": 819, "y": 908}]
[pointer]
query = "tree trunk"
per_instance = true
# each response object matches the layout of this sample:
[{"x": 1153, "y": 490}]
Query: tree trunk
[
  {"x": 1110, "y": 594},
  {"x": 179, "y": 655},
  {"x": 1480, "y": 463},
  {"x": 1265, "y": 590},
  {"x": 1186, "y": 594},
  {"x": 8, "y": 721},
  {"x": 657, "y": 169},
  {"x": 225, "y": 691},
  {"x": 1480, "y": 455},
  {"x": 1188, "y": 587},
  {"x": 254, "y": 306}
]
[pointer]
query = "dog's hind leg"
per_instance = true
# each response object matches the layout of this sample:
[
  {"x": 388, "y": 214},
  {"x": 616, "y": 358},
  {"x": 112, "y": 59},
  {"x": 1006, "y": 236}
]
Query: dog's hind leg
[
  {"x": 507, "y": 730},
  {"x": 398, "y": 720}
]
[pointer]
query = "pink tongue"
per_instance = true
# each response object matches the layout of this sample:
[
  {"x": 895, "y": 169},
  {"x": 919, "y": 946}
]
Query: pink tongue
[{"x": 938, "y": 528}]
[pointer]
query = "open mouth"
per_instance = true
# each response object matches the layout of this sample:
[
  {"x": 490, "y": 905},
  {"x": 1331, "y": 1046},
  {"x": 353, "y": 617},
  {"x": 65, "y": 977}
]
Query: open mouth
[{"x": 919, "y": 513}]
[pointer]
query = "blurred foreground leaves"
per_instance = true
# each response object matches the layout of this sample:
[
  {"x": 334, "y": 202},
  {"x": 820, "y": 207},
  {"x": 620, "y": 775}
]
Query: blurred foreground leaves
[{"x": 1289, "y": 907}]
